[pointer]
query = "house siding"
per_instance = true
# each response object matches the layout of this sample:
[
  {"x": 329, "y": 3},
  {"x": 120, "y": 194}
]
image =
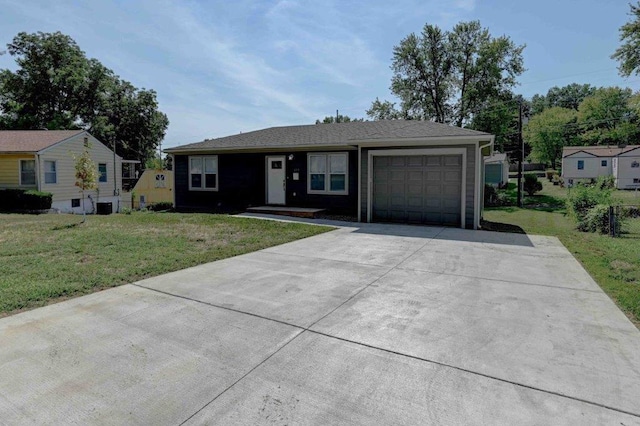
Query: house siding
[
  {"x": 242, "y": 183},
  {"x": 10, "y": 170},
  {"x": 625, "y": 173},
  {"x": 62, "y": 153},
  {"x": 592, "y": 167},
  {"x": 469, "y": 184}
]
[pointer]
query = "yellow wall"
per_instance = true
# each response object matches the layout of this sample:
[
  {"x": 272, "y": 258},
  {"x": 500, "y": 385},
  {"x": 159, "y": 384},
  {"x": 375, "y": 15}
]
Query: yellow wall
[
  {"x": 147, "y": 187},
  {"x": 10, "y": 169}
]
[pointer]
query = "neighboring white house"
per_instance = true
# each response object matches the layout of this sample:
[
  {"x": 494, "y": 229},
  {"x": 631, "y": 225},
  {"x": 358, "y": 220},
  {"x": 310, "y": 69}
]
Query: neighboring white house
[
  {"x": 496, "y": 169},
  {"x": 43, "y": 160},
  {"x": 591, "y": 162}
]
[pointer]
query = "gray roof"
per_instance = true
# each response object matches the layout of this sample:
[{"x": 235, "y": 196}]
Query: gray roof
[
  {"x": 497, "y": 157},
  {"x": 332, "y": 134}
]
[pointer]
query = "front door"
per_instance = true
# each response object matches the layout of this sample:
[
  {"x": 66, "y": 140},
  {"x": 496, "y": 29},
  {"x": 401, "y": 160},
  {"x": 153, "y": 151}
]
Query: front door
[{"x": 276, "y": 180}]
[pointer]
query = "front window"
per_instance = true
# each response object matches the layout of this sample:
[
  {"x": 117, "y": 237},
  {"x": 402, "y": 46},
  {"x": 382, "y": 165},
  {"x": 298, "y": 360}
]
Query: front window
[
  {"x": 603, "y": 163},
  {"x": 50, "y": 175},
  {"x": 580, "y": 164},
  {"x": 328, "y": 173},
  {"x": 203, "y": 173},
  {"x": 635, "y": 165},
  {"x": 27, "y": 172},
  {"x": 102, "y": 171}
]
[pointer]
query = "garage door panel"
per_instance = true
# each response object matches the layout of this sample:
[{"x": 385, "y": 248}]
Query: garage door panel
[{"x": 418, "y": 189}]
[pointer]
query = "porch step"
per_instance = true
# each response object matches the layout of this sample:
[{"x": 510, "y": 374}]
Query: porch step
[{"x": 286, "y": 211}]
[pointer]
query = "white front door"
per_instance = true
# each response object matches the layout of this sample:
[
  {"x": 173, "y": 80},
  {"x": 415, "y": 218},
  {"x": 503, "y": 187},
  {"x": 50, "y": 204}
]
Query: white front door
[{"x": 276, "y": 180}]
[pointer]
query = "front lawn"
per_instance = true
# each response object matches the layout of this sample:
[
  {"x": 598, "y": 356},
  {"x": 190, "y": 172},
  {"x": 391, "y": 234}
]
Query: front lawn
[
  {"x": 47, "y": 258},
  {"x": 614, "y": 263}
]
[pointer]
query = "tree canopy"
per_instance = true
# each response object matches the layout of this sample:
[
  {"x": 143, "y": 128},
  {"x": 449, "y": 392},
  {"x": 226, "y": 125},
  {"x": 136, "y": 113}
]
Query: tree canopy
[
  {"x": 445, "y": 76},
  {"x": 548, "y": 132},
  {"x": 57, "y": 87},
  {"x": 339, "y": 119},
  {"x": 628, "y": 54},
  {"x": 569, "y": 96}
]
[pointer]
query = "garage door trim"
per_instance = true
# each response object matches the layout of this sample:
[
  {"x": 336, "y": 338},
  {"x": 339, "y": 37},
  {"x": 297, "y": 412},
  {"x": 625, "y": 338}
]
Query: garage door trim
[{"x": 412, "y": 152}]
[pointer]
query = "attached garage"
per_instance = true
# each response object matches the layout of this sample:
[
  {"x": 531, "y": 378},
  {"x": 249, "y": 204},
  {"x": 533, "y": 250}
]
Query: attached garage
[{"x": 424, "y": 189}]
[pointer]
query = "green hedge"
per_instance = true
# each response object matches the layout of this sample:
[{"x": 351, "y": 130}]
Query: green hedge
[{"x": 21, "y": 200}]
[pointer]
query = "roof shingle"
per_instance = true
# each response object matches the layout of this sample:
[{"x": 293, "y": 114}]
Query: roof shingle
[
  {"x": 598, "y": 151},
  {"x": 332, "y": 134},
  {"x": 32, "y": 140}
]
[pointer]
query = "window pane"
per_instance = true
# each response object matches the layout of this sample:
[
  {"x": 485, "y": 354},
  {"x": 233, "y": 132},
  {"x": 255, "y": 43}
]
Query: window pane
[
  {"x": 580, "y": 164},
  {"x": 210, "y": 180},
  {"x": 102, "y": 169},
  {"x": 50, "y": 166},
  {"x": 337, "y": 183},
  {"x": 196, "y": 181},
  {"x": 196, "y": 165},
  {"x": 318, "y": 164},
  {"x": 338, "y": 163},
  {"x": 211, "y": 165},
  {"x": 28, "y": 172},
  {"x": 317, "y": 182}
]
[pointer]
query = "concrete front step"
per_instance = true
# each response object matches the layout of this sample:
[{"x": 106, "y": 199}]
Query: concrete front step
[{"x": 286, "y": 211}]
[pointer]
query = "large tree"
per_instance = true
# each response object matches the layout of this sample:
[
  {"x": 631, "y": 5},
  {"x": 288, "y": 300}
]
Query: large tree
[
  {"x": 609, "y": 116},
  {"x": 339, "y": 119},
  {"x": 57, "y": 87},
  {"x": 548, "y": 132},
  {"x": 446, "y": 76},
  {"x": 569, "y": 96},
  {"x": 628, "y": 54}
]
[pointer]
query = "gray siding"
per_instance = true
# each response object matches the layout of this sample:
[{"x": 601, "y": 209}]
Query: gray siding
[{"x": 469, "y": 187}]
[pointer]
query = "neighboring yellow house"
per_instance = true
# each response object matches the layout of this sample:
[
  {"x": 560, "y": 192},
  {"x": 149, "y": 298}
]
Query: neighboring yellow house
[
  {"x": 154, "y": 186},
  {"x": 43, "y": 160}
]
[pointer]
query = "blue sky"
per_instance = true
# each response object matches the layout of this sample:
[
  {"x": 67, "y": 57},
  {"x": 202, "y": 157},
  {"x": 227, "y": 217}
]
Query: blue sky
[{"x": 223, "y": 67}]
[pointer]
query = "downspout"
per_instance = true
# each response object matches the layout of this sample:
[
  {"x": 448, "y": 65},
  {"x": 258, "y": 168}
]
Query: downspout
[
  {"x": 480, "y": 182},
  {"x": 38, "y": 184}
]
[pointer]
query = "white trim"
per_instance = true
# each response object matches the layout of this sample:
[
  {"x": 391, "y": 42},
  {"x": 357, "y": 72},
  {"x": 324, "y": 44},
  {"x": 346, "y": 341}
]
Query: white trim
[
  {"x": 479, "y": 183},
  {"x": 434, "y": 140},
  {"x": 267, "y": 150},
  {"x": 424, "y": 151},
  {"x": 327, "y": 187},
  {"x": 203, "y": 187},
  {"x": 359, "y": 180},
  {"x": 283, "y": 158}
]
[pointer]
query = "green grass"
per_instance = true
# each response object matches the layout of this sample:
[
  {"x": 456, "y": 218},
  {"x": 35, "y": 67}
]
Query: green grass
[
  {"x": 614, "y": 263},
  {"x": 47, "y": 258}
]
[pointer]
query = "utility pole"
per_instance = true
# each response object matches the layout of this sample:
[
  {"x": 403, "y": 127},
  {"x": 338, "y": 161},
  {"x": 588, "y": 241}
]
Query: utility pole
[
  {"x": 337, "y": 117},
  {"x": 521, "y": 156}
]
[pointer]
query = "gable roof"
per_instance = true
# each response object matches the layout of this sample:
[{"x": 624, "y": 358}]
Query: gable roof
[
  {"x": 32, "y": 140},
  {"x": 332, "y": 134},
  {"x": 497, "y": 157},
  {"x": 597, "y": 151}
]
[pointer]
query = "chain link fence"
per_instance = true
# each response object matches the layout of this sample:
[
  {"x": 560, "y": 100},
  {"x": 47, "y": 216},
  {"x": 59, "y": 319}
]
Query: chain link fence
[{"x": 624, "y": 221}]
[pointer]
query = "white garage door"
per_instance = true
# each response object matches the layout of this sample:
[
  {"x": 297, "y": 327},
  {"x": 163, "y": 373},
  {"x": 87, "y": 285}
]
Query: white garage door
[{"x": 417, "y": 189}]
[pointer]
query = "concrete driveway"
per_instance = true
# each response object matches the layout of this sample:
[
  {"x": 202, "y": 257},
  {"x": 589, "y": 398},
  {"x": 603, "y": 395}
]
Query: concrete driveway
[{"x": 371, "y": 324}]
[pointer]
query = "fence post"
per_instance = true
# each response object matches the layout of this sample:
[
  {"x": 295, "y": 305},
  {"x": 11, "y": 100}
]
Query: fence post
[{"x": 612, "y": 222}]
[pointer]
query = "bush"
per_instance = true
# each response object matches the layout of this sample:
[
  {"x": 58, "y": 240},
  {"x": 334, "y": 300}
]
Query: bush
[
  {"x": 531, "y": 184},
  {"x": 605, "y": 182},
  {"x": 549, "y": 174},
  {"x": 596, "y": 220},
  {"x": 583, "y": 198},
  {"x": 21, "y": 200},
  {"x": 161, "y": 206}
]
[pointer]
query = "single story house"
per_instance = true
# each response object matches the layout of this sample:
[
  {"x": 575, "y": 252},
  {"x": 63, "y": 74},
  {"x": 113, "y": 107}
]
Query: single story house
[
  {"x": 591, "y": 162},
  {"x": 43, "y": 160},
  {"x": 496, "y": 170},
  {"x": 382, "y": 171}
]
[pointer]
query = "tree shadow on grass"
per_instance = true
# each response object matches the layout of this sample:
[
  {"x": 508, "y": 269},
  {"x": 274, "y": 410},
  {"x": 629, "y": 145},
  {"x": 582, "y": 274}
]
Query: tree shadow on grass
[{"x": 67, "y": 226}]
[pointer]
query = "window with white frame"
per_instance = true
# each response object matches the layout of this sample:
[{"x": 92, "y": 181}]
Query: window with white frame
[
  {"x": 50, "y": 174},
  {"x": 328, "y": 173},
  {"x": 203, "y": 173},
  {"x": 27, "y": 172},
  {"x": 102, "y": 172}
]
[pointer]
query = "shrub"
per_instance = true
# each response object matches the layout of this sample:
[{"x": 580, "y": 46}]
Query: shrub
[
  {"x": 605, "y": 182},
  {"x": 531, "y": 184},
  {"x": 596, "y": 220},
  {"x": 489, "y": 194},
  {"x": 161, "y": 206},
  {"x": 583, "y": 198},
  {"x": 549, "y": 174},
  {"x": 21, "y": 200}
]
